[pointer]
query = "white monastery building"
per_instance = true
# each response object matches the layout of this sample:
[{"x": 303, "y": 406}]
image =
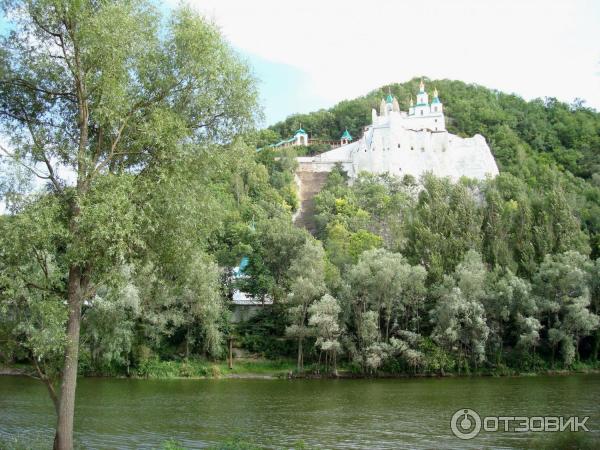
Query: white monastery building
[{"x": 406, "y": 143}]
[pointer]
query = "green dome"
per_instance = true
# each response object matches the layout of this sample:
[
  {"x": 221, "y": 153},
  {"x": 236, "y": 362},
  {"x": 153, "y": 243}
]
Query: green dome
[
  {"x": 299, "y": 131},
  {"x": 346, "y": 135}
]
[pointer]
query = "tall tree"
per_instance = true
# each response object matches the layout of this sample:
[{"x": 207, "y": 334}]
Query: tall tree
[
  {"x": 307, "y": 284},
  {"x": 562, "y": 286},
  {"x": 459, "y": 316},
  {"x": 324, "y": 319},
  {"x": 102, "y": 93}
]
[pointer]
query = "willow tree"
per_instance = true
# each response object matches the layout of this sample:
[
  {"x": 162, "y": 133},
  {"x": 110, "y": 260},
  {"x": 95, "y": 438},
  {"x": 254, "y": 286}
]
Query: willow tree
[{"x": 96, "y": 98}]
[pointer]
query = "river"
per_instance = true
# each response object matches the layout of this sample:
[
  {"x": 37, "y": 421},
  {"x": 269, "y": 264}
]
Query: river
[{"x": 360, "y": 414}]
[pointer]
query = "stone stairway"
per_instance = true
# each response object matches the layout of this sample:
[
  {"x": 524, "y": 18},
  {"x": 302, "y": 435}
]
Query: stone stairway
[{"x": 310, "y": 183}]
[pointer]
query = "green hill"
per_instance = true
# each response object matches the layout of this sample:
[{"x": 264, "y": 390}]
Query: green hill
[{"x": 529, "y": 139}]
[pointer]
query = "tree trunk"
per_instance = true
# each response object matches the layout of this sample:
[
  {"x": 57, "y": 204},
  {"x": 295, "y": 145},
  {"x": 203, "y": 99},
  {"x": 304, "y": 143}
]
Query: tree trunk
[
  {"x": 230, "y": 352},
  {"x": 66, "y": 409},
  {"x": 335, "y": 364},
  {"x": 300, "y": 362},
  {"x": 187, "y": 344},
  {"x": 387, "y": 329}
]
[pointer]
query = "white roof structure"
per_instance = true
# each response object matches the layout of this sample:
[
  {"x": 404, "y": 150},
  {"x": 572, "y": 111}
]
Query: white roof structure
[{"x": 243, "y": 298}]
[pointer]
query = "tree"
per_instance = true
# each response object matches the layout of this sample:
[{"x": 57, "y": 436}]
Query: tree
[
  {"x": 595, "y": 303},
  {"x": 202, "y": 305},
  {"x": 276, "y": 244},
  {"x": 459, "y": 316},
  {"x": 445, "y": 225},
  {"x": 377, "y": 283},
  {"x": 562, "y": 288},
  {"x": 307, "y": 275},
  {"x": 109, "y": 94},
  {"x": 384, "y": 294},
  {"x": 108, "y": 324},
  {"x": 511, "y": 311},
  {"x": 323, "y": 318}
]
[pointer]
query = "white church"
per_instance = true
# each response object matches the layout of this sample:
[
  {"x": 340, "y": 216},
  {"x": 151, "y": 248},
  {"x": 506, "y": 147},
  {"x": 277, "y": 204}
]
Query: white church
[{"x": 406, "y": 143}]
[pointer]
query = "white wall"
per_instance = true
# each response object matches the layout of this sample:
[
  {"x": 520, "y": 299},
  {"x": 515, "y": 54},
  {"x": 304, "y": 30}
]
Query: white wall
[{"x": 395, "y": 145}]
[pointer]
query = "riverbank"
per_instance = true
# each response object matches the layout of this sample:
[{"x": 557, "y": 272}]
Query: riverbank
[{"x": 286, "y": 369}]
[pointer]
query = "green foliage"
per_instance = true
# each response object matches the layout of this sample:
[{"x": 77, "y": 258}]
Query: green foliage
[
  {"x": 470, "y": 252},
  {"x": 132, "y": 108},
  {"x": 531, "y": 140},
  {"x": 262, "y": 334},
  {"x": 459, "y": 316},
  {"x": 562, "y": 286},
  {"x": 172, "y": 444}
]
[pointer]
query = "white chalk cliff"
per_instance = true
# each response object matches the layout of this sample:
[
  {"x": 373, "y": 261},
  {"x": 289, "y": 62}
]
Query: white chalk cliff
[{"x": 408, "y": 143}]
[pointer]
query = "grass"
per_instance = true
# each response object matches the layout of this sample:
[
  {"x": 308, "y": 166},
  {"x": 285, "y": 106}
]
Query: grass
[
  {"x": 154, "y": 368},
  {"x": 261, "y": 367},
  {"x": 198, "y": 368}
]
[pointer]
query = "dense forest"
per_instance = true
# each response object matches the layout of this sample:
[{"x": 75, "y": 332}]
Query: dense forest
[
  {"x": 152, "y": 192},
  {"x": 403, "y": 275},
  {"x": 426, "y": 275}
]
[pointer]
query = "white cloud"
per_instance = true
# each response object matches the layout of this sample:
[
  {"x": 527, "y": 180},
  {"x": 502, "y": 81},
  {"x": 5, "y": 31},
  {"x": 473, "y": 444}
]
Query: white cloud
[{"x": 531, "y": 47}]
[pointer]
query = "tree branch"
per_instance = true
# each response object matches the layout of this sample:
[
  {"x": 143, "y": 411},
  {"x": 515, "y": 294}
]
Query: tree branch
[
  {"x": 31, "y": 169},
  {"x": 44, "y": 378},
  {"x": 51, "y": 175},
  {"x": 20, "y": 82}
]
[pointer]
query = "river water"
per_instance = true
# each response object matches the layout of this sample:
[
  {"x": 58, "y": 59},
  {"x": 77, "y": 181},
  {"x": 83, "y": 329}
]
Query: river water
[{"x": 365, "y": 414}]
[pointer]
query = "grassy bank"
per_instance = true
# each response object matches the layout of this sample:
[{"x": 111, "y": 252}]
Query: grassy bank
[
  {"x": 252, "y": 368},
  {"x": 278, "y": 369},
  {"x": 243, "y": 368},
  {"x": 285, "y": 368}
]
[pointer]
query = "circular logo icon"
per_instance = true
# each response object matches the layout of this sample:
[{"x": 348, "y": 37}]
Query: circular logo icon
[{"x": 465, "y": 424}]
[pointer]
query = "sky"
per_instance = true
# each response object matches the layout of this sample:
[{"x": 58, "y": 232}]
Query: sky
[{"x": 314, "y": 53}]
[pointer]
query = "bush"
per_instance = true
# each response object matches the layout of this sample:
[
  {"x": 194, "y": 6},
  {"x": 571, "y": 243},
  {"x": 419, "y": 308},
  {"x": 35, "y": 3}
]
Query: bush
[
  {"x": 436, "y": 358},
  {"x": 263, "y": 334}
]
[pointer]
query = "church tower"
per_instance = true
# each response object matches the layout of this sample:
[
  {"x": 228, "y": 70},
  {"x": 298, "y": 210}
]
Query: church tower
[
  {"x": 422, "y": 106},
  {"x": 436, "y": 105}
]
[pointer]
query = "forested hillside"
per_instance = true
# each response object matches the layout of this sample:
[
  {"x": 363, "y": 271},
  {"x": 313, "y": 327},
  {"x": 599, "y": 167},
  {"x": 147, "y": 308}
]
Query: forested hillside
[
  {"x": 403, "y": 275},
  {"x": 449, "y": 276},
  {"x": 531, "y": 140}
]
